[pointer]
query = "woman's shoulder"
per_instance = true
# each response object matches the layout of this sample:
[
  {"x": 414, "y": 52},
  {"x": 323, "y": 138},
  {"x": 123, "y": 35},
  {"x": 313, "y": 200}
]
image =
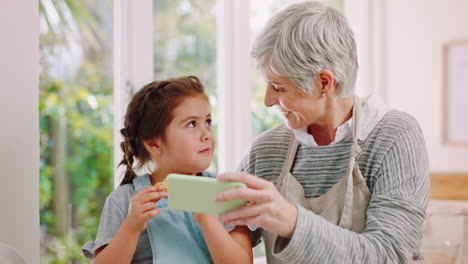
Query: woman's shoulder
[
  {"x": 398, "y": 121},
  {"x": 274, "y": 136},
  {"x": 267, "y": 147},
  {"x": 396, "y": 124}
]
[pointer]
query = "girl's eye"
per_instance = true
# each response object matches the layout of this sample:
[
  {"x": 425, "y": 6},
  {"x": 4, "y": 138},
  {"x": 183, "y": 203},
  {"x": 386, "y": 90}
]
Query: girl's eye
[
  {"x": 192, "y": 124},
  {"x": 208, "y": 122}
]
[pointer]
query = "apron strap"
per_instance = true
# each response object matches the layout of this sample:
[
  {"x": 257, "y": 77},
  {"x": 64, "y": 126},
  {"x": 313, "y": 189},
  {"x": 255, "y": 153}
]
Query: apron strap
[
  {"x": 355, "y": 152},
  {"x": 356, "y": 118},
  {"x": 289, "y": 159}
]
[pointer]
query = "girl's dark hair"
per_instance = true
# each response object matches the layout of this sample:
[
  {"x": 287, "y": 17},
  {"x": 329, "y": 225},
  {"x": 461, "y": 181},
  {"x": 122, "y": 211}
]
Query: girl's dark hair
[{"x": 149, "y": 113}]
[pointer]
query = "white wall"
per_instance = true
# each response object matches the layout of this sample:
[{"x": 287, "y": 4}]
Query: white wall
[
  {"x": 414, "y": 33},
  {"x": 19, "y": 127}
]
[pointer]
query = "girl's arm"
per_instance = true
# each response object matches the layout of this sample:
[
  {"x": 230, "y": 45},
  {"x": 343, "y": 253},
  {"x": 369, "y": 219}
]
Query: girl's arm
[
  {"x": 122, "y": 247},
  {"x": 225, "y": 247}
]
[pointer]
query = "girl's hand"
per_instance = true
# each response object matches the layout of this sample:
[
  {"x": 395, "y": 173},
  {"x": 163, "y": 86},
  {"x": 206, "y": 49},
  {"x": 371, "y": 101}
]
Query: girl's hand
[
  {"x": 266, "y": 208},
  {"x": 142, "y": 207}
]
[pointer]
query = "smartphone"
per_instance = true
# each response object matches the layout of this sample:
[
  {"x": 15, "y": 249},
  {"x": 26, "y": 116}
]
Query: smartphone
[{"x": 197, "y": 194}]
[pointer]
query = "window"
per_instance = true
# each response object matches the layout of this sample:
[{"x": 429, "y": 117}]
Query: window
[{"x": 76, "y": 124}]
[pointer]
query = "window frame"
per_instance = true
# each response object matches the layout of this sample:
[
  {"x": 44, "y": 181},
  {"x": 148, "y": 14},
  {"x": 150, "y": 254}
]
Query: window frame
[
  {"x": 133, "y": 62},
  {"x": 234, "y": 82}
]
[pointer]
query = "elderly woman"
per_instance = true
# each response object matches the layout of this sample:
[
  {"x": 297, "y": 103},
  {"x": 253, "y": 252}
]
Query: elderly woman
[{"x": 344, "y": 180}]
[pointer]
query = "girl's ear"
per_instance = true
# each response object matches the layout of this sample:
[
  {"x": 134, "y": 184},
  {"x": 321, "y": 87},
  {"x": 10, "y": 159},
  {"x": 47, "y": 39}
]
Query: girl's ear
[{"x": 153, "y": 146}]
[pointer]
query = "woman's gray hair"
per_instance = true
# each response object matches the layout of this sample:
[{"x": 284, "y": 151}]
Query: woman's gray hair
[{"x": 301, "y": 40}]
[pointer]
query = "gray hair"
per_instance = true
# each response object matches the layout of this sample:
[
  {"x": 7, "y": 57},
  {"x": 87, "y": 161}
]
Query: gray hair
[{"x": 301, "y": 40}]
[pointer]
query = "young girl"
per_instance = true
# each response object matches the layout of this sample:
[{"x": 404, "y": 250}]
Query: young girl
[{"x": 168, "y": 124}]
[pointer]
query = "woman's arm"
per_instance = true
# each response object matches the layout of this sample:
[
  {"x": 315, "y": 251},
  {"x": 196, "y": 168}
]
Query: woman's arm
[{"x": 224, "y": 247}]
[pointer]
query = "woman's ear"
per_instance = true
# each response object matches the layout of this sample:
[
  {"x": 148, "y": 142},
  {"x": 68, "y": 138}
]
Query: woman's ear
[
  {"x": 153, "y": 146},
  {"x": 326, "y": 82}
]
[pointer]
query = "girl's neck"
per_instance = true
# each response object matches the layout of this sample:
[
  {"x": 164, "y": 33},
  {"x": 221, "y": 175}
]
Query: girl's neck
[{"x": 160, "y": 175}]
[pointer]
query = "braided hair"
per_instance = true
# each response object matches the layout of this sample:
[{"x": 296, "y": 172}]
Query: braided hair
[{"x": 148, "y": 114}]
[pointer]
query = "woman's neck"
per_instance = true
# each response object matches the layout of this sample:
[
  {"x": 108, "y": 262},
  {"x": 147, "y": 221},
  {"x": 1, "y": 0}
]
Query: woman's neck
[{"x": 337, "y": 113}]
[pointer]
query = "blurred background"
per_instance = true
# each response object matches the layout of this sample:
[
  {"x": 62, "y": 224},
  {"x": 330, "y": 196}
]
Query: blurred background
[{"x": 94, "y": 54}]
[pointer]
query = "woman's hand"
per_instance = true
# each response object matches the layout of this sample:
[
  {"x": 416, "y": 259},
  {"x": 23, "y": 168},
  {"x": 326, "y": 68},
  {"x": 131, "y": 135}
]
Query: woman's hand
[
  {"x": 266, "y": 206},
  {"x": 142, "y": 207}
]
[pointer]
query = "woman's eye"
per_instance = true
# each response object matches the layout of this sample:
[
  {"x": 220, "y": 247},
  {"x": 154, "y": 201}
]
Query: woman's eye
[
  {"x": 192, "y": 124},
  {"x": 276, "y": 89},
  {"x": 208, "y": 122}
]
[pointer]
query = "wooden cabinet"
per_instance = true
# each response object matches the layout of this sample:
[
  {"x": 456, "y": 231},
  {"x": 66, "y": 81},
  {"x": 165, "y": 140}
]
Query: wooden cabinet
[{"x": 445, "y": 233}]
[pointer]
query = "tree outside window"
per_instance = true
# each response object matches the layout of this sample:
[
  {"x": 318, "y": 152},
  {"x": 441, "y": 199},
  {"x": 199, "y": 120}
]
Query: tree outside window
[{"x": 76, "y": 124}]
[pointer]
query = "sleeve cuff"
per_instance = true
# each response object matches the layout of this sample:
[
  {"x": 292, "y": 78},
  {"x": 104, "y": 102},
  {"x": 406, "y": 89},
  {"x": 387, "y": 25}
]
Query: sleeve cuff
[
  {"x": 255, "y": 233},
  {"x": 290, "y": 249},
  {"x": 90, "y": 247}
]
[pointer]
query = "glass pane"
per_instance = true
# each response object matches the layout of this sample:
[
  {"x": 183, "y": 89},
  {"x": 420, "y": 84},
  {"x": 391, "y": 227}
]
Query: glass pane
[
  {"x": 185, "y": 44},
  {"x": 76, "y": 124},
  {"x": 337, "y": 4}
]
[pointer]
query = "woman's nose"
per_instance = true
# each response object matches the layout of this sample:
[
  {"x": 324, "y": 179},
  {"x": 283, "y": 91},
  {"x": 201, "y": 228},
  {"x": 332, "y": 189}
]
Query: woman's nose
[{"x": 270, "y": 99}]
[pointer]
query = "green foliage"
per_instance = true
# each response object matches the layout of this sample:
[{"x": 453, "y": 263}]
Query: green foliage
[
  {"x": 88, "y": 165},
  {"x": 76, "y": 89},
  {"x": 185, "y": 40},
  {"x": 337, "y": 4}
]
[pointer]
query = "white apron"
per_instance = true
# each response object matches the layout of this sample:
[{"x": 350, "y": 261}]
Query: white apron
[{"x": 345, "y": 204}]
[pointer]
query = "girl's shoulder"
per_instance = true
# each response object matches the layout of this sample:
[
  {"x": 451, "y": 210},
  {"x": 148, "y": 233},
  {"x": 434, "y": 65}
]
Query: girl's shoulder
[{"x": 122, "y": 195}]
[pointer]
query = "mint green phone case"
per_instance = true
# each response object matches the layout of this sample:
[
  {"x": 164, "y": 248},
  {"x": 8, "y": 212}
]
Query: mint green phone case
[{"x": 197, "y": 193}]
